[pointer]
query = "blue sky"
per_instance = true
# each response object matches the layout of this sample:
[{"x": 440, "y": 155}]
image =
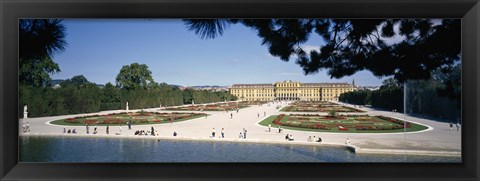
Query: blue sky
[{"x": 97, "y": 49}]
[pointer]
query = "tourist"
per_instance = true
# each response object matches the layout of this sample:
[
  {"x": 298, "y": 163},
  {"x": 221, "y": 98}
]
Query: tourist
[
  {"x": 27, "y": 127},
  {"x": 240, "y": 136},
  {"x": 74, "y": 131},
  {"x": 290, "y": 138},
  {"x": 286, "y": 137},
  {"x": 129, "y": 123},
  {"x": 320, "y": 140},
  {"x": 206, "y": 116},
  {"x": 451, "y": 126},
  {"x": 279, "y": 129},
  {"x": 258, "y": 115},
  {"x": 174, "y": 133},
  {"x": 95, "y": 130},
  {"x": 237, "y": 110},
  {"x": 223, "y": 134},
  {"x": 314, "y": 138},
  {"x": 69, "y": 131},
  {"x": 107, "y": 129},
  {"x": 244, "y": 133},
  {"x": 24, "y": 128},
  {"x": 88, "y": 132},
  {"x": 120, "y": 128},
  {"x": 458, "y": 126},
  {"x": 64, "y": 130},
  {"x": 231, "y": 115},
  {"x": 269, "y": 128},
  {"x": 309, "y": 139},
  {"x": 153, "y": 132},
  {"x": 136, "y": 133},
  {"x": 347, "y": 142},
  {"x": 213, "y": 133}
]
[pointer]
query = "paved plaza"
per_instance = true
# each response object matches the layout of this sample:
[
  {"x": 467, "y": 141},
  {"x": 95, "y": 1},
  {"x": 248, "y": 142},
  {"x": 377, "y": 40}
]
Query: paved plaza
[{"x": 437, "y": 140}]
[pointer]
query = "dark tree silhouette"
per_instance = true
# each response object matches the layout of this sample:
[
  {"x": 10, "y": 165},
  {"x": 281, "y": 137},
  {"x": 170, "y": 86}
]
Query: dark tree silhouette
[
  {"x": 353, "y": 45},
  {"x": 39, "y": 40}
]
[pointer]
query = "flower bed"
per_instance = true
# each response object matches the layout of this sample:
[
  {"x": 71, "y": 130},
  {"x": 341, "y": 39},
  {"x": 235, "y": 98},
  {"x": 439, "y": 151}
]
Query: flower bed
[
  {"x": 355, "y": 123},
  {"x": 124, "y": 118}
]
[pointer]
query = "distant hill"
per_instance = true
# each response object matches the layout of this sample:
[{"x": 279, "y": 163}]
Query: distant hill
[{"x": 57, "y": 81}]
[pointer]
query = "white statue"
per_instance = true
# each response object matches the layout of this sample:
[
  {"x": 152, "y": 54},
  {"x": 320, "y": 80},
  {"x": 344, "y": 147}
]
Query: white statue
[
  {"x": 193, "y": 102},
  {"x": 127, "y": 106},
  {"x": 25, "y": 111}
]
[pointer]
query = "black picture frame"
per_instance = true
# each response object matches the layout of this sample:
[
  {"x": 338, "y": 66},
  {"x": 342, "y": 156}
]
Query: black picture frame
[{"x": 11, "y": 11}]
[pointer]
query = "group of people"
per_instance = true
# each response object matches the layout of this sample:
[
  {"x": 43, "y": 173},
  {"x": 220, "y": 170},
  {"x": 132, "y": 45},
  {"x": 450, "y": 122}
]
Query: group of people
[
  {"x": 152, "y": 132},
  {"x": 25, "y": 127},
  {"x": 222, "y": 133},
  {"x": 456, "y": 125},
  {"x": 69, "y": 131},
  {"x": 314, "y": 139},
  {"x": 289, "y": 137}
]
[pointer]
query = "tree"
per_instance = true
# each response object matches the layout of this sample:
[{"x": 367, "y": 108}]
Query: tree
[
  {"x": 39, "y": 40},
  {"x": 390, "y": 83},
  {"x": 76, "y": 81},
  {"x": 134, "y": 76},
  {"x": 349, "y": 46}
]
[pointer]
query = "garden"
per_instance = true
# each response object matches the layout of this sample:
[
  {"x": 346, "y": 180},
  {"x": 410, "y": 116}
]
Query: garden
[
  {"x": 136, "y": 118},
  {"x": 230, "y": 106},
  {"x": 318, "y": 106},
  {"x": 341, "y": 123}
]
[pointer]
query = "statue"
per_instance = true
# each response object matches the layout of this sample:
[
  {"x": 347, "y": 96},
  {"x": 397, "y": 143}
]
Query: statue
[
  {"x": 193, "y": 102},
  {"x": 25, "y": 111},
  {"x": 127, "y": 106}
]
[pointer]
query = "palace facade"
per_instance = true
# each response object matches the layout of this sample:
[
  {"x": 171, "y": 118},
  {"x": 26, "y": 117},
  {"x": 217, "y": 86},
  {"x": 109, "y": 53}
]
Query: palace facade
[{"x": 290, "y": 90}]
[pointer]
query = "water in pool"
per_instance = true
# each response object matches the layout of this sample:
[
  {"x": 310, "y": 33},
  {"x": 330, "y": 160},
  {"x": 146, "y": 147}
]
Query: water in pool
[{"x": 69, "y": 149}]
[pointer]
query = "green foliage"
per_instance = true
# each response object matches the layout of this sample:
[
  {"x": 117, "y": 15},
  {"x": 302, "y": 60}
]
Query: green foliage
[
  {"x": 39, "y": 40},
  {"x": 134, "y": 76},
  {"x": 85, "y": 97},
  {"x": 360, "y": 97}
]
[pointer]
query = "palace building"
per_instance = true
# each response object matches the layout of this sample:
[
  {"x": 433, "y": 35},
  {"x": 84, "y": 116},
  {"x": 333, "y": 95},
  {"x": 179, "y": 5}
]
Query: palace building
[{"x": 290, "y": 90}]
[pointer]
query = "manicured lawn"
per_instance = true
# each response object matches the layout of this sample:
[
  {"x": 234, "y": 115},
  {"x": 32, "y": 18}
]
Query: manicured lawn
[
  {"x": 139, "y": 118},
  {"x": 318, "y": 106},
  {"x": 306, "y": 123}
]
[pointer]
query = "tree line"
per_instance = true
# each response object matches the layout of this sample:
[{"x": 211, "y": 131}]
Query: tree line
[
  {"x": 439, "y": 96},
  {"x": 87, "y": 97}
]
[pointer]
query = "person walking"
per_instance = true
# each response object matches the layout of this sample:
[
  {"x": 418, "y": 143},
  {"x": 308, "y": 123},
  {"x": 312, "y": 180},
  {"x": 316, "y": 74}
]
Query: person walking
[
  {"x": 269, "y": 128},
  {"x": 107, "y": 130},
  {"x": 458, "y": 126},
  {"x": 258, "y": 115},
  {"x": 213, "y": 133},
  {"x": 223, "y": 134},
  {"x": 279, "y": 129},
  {"x": 244, "y": 133},
  {"x": 240, "y": 136},
  {"x": 451, "y": 126},
  {"x": 264, "y": 113},
  {"x": 88, "y": 131},
  {"x": 231, "y": 115},
  {"x": 153, "y": 131}
]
